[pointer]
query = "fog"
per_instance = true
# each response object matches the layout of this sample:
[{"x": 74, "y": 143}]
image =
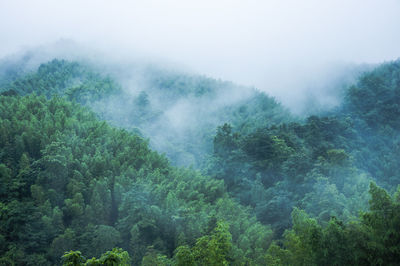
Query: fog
[
  {"x": 186, "y": 79},
  {"x": 290, "y": 49}
]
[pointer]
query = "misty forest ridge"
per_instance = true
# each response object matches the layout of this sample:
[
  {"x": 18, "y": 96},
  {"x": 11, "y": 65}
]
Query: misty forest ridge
[
  {"x": 196, "y": 133},
  {"x": 158, "y": 167}
]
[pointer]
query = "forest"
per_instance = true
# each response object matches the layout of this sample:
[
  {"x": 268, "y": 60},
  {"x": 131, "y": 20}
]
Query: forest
[{"x": 182, "y": 169}]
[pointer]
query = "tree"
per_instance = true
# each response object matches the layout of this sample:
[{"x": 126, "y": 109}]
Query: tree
[
  {"x": 211, "y": 249},
  {"x": 115, "y": 257},
  {"x": 73, "y": 258}
]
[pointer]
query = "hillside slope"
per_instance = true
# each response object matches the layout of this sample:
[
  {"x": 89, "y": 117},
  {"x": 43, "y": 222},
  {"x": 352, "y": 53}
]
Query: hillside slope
[
  {"x": 70, "y": 181},
  {"x": 97, "y": 186}
]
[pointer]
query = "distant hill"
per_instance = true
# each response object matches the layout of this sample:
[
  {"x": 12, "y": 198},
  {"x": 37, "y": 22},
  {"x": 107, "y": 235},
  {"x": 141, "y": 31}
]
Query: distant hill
[{"x": 178, "y": 112}]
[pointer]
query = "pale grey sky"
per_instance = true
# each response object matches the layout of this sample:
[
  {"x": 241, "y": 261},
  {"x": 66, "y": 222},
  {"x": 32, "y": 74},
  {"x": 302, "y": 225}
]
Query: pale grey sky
[{"x": 271, "y": 44}]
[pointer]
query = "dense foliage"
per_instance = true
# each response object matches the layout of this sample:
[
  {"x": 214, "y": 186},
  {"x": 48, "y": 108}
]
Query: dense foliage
[
  {"x": 70, "y": 181},
  {"x": 116, "y": 256},
  {"x": 63, "y": 78},
  {"x": 323, "y": 164},
  {"x": 374, "y": 240}
]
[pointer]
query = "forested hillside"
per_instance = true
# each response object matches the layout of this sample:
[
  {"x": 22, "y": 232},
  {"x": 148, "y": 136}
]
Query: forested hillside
[
  {"x": 78, "y": 171},
  {"x": 70, "y": 181},
  {"x": 178, "y": 112}
]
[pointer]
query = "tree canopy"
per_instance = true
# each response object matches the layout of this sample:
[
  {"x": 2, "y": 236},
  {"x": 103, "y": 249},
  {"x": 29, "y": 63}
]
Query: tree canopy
[{"x": 82, "y": 184}]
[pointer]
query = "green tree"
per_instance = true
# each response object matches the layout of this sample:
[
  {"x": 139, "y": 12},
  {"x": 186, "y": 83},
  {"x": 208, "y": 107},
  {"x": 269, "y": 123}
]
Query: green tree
[
  {"x": 213, "y": 249},
  {"x": 72, "y": 258}
]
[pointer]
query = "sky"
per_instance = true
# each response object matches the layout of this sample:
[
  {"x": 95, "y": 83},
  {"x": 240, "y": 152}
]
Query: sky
[{"x": 278, "y": 46}]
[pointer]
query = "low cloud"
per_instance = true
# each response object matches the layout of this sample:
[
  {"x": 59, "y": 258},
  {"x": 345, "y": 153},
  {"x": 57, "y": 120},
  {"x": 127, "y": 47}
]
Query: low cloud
[{"x": 282, "y": 47}]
